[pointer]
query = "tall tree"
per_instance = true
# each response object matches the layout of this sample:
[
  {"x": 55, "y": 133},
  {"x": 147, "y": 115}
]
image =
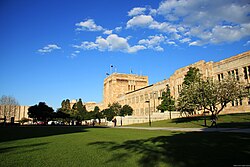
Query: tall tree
[
  {"x": 41, "y": 112},
  {"x": 187, "y": 98},
  {"x": 193, "y": 75},
  {"x": 168, "y": 102}
]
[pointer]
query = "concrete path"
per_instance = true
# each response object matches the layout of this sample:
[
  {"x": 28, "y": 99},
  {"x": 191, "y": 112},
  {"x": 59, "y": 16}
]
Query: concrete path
[{"x": 191, "y": 129}]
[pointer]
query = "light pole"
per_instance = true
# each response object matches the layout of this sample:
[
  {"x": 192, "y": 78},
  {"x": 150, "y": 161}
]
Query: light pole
[{"x": 149, "y": 119}]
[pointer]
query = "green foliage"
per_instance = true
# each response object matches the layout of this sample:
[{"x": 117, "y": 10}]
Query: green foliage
[
  {"x": 108, "y": 113},
  {"x": 187, "y": 100},
  {"x": 41, "y": 112},
  {"x": 167, "y": 103},
  {"x": 126, "y": 110},
  {"x": 116, "y": 108},
  {"x": 193, "y": 75},
  {"x": 208, "y": 94},
  {"x": 66, "y": 104}
]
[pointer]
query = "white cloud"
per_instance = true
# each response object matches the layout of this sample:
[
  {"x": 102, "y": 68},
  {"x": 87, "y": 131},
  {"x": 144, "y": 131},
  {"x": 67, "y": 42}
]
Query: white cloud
[
  {"x": 88, "y": 25},
  {"x": 197, "y": 22},
  {"x": 247, "y": 43},
  {"x": 185, "y": 40},
  {"x": 140, "y": 21},
  {"x": 49, "y": 48},
  {"x": 118, "y": 29},
  {"x": 135, "y": 48},
  {"x": 153, "y": 42},
  {"x": 210, "y": 21},
  {"x": 108, "y": 32},
  {"x": 112, "y": 43},
  {"x": 136, "y": 11}
]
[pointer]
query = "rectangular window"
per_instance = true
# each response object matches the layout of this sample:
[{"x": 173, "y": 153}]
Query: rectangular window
[
  {"x": 218, "y": 77},
  {"x": 222, "y": 76},
  {"x": 233, "y": 73},
  {"x": 237, "y": 74},
  {"x": 229, "y": 73},
  {"x": 245, "y": 72},
  {"x": 248, "y": 71}
]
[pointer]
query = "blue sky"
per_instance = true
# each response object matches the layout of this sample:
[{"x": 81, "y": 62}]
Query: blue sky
[{"x": 51, "y": 50}]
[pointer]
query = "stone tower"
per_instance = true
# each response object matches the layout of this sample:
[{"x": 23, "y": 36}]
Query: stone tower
[{"x": 118, "y": 84}]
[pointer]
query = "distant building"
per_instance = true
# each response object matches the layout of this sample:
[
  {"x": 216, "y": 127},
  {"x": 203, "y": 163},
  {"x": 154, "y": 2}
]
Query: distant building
[
  {"x": 13, "y": 112},
  {"x": 134, "y": 89}
]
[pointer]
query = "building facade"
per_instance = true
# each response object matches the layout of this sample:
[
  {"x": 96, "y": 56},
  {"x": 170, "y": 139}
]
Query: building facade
[
  {"x": 14, "y": 113},
  {"x": 134, "y": 90}
]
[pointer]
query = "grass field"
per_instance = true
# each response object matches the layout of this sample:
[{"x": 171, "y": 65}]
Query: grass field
[
  {"x": 224, "y": 121},
  {"x": 93, "y": 147}
]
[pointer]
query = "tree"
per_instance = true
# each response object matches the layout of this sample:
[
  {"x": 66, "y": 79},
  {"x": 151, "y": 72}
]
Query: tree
[
  {"x": 193, "y": 75},
  {"x": 108, "y": 113},
  {"x": 97, "y": 114},
  {"x": 168, "y": 102},
  {"x": 9, "y": 104},
  {"x": 40, "y": 112},
  {"x": 126, "y": 110},
  {"x": 115, "y": 107},
  {"x": 215, "y": 95},
  {"x": 211, "y": 95},
  {"x": 187, "y": 98}
]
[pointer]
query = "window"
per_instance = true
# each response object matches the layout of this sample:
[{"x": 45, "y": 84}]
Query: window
[
  {"x": 245, "y": 72},
  {"x": 237, "y": 74},
  {"x": 218, "y": 77}
]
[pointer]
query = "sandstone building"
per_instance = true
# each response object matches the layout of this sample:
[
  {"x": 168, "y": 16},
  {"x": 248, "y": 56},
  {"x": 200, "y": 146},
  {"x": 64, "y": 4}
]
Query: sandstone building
[
  {"x": 14, "y": 113},
  {"x": 134, "y": 89}
]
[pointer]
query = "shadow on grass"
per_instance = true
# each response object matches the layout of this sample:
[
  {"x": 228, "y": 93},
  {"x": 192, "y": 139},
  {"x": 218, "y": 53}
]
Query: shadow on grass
[
  {"x": 234, "y": 125},
  {"x": 189, "y": 119},
  {"x": 27, "y": 147},
  {"x": 184, "y": 149},
  {"x": 24, "y": 132}
]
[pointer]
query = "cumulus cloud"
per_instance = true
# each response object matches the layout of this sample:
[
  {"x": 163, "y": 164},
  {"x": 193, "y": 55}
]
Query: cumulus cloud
[
  {"x": 88, "y": 25},
  {"x": 211, "y": 21},
  {"x": 136, "y": 11},
  {"x": 197, "y": 22},
  {"x": 140, "y": 21},
  {"x": 108, "y": 32},
  {"x": 153, "y": 42},
  {"x": 112, "y": 43},
  {"x": 49, "y": 48}
]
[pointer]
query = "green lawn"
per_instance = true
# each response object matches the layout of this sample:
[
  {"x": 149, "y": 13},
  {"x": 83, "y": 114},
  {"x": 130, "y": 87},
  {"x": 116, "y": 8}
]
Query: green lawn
[
  {"x": 224, "y": 121},
  {"x": 79, "y": 146}
]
